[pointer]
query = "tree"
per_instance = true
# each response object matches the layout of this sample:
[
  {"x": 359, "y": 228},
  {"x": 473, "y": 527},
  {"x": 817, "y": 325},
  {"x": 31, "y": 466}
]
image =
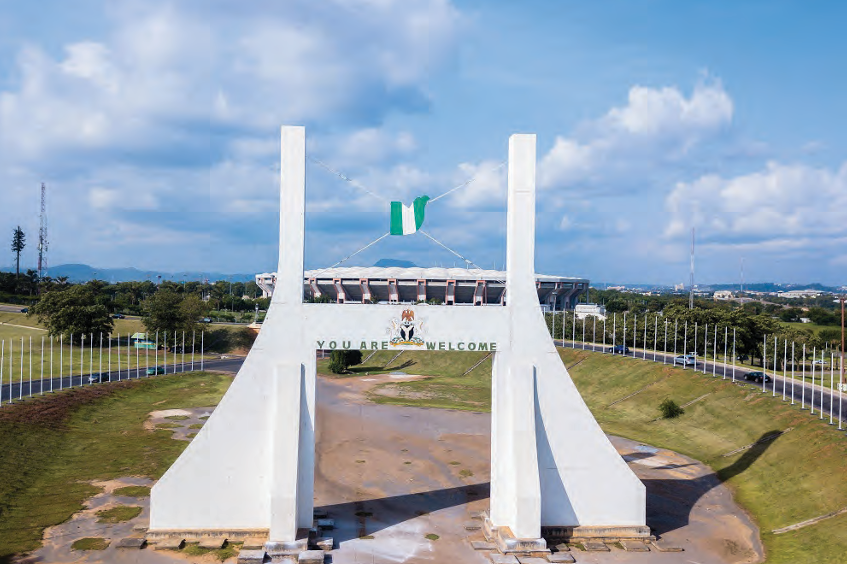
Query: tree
[
  {"x": 167, "y": 311},
  {"x": 18, "y": 244},
  {"x": 73, "y": 311},
  {"x": 339, "y": 361}
]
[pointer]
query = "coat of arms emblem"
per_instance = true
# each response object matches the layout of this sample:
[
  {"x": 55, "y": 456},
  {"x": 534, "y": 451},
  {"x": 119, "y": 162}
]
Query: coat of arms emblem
[{"x": 406, "y": 331}]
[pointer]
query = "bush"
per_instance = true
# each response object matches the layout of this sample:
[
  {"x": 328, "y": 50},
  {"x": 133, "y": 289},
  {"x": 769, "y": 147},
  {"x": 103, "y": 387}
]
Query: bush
[
  {"x": 339, "y": 361},
  {"x": 670, "y": 409}
]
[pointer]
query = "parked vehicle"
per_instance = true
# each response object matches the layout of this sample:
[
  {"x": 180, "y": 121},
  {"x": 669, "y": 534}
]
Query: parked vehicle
[
  {"x": 819, "y": 362},
  {"x": 153, "y": 370},
  {"x": 25, "y": 310},
  {"x": 619, "y": 349},
  {"x": 685, "y": 360},
  {"x": 118, "y": 316},
  {"x": 742, "y": 357},
  {"x": 757, "y": 377},
  {"x": 97, "y": 378},
  {"x": 206, "y": 320}
]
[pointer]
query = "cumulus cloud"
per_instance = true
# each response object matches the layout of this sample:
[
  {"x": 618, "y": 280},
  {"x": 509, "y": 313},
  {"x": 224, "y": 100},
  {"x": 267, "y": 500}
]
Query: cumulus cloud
[
  {"x": 782, "y": 202},
  {"x": 657, "y": 126}
]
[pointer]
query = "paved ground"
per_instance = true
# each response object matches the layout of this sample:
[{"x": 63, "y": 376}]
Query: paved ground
[{"x": 391, "y": 475}]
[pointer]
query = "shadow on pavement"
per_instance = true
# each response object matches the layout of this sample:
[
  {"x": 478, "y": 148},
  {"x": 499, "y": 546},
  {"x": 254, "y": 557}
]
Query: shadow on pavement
[
  {"x": 362, "y": 518},
  {"x": 669, "y": 502}
]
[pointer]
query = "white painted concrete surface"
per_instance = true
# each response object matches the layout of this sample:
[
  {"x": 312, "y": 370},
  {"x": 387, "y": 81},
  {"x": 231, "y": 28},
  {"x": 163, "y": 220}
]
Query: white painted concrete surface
[{"x": 551, "y": 463}]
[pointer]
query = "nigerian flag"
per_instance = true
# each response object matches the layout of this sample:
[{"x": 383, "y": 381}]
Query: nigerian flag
[{"x": 405, "y": 220}]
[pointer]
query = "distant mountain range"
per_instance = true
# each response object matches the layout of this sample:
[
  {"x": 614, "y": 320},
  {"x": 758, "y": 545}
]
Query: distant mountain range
[{"x": 84, "y": 273}]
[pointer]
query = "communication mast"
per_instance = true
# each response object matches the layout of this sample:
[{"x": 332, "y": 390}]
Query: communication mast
[
  {"x": 691, "y": 295},
  {"x": 42, "y": 234}
]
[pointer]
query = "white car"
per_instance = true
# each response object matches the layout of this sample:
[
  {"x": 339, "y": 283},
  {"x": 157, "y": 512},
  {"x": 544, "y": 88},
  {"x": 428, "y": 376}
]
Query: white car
[
  {"x": 685, "y": 360},
  {"x": 819, "y": 362}
]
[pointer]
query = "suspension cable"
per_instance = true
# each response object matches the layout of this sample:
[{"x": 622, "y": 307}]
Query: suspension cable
[
  {"x": 346, "y": 178},
  {"x": 467, "y": 183},
  {"x": 348, "y": 257},
  {"x": 437, "y": 242}
]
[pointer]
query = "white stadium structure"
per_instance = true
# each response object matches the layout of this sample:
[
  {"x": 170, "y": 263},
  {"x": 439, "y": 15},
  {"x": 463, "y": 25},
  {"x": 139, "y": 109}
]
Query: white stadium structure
[{"x": 449, "y": 286}]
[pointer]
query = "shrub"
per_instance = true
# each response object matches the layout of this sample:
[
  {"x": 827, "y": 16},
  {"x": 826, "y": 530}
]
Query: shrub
[
  {"x": 339, "y": 361},
  {"x": 670, "y": 409}
]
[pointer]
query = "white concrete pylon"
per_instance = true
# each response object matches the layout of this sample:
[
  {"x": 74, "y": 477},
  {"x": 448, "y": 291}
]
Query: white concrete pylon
[{"x": 551, "y": 463}]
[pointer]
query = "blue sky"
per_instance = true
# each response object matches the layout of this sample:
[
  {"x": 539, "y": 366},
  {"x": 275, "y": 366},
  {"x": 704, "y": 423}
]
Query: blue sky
[{"x": 155, "y": 126}]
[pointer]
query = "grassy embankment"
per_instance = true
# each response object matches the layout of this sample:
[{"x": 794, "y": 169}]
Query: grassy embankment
[
  {"x": 449, "y": 387},
  {"x": 799, "y": 476},
  {"x": 17, "y": 326},
  {"x": 54, "y": 446}
]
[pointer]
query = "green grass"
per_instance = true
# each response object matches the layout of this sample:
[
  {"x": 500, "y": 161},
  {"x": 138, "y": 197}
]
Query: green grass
[
  {"x": 808, "y": 326},
  {"x": 133, "y": 491},
  {"x": 54, "y": 446},
  {"x": 168, "y": 426},
  {"x": 177, "y": 417},
  {"x": 432, "y": 537},
  {"x": 118, "y": 514},
  {"x": 196, "y": 426},
  {"x": 90, "y": 544},
  {"x": 228, "y": 551}
]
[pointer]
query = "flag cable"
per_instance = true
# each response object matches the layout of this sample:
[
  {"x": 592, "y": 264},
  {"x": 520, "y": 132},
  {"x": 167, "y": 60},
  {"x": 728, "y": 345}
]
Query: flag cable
[
  {"x": 374, "y": 242},
  {"x": 347, "y": 179},
  {"x": 464, "y": 184}
]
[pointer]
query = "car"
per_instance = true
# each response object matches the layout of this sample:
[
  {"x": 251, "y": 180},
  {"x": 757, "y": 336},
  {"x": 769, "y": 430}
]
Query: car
[
  {"x": 153, "y": 370},
  {"x": 206, "y": 320},
  {"x": 97, "y": 378},
  {"x": 686, "y": 360},
  {"x": 619, "y": 349},
  {"x": 819, "y": 362},
  {"x": 25, "y": 310},
  {"x": 757, "y": 377},
  {"x": 118, "y": 316},
  {"x": 742, "y": 357}
]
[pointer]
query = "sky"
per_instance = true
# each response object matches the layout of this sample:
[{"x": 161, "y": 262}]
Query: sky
[{"x": 155, "y": 126}]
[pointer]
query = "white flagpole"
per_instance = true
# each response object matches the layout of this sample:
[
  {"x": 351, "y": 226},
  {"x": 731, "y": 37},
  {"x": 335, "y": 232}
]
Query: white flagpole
[
  {"x": 685, "y": 344},
  {"x": 147, "y": 354},
  {"x": 51, "y": 364},
  {"x": 823, "y": 384},
  {"x": 675, "y": 337},
  {"x": 156, "y": 356},
  {"x": 705, "y": 346},
  {"x": 119, "y": 357},
  {"x": 764, "y": 363},
  {"x": 725, "y": 345},
  {"x": 715, "y": 352},
  {"x": 100, "y": 359},
  {"x": 784, "y": 370},
  {"x": 634, "y": 333},
  {"x": 665, "y": 347},
  {"x": 82, "y": 360},
  {"x": 655, "y": 337},
  {"x": 91, "y": 358},
  {"x": 61, "y": 363},
  {"x": 41, "y": 381},
  {"x": 624, "y": 334},
  {"x": 614, "y": 331},
  {"x": 733, "y": 354},
  {"x": 812, "y": 400},
  {"x": 30, "y": 365},
  {"x": 109, "y": 362},
  {"x": 594, "y": 336},
  {"x": 3, "y": 362},
  {"x": 831, "y": 386},
  {"x": 583, "y": 333},
  {"x": 803, "y": 386},
  {"x": 202, "y": 335},
  {"x": 792, "y": 372},
  {"x": 194, "y": 342}
]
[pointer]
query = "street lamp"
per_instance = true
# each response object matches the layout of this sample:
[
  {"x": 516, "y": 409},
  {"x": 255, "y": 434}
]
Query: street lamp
[{"x": 256, "y": 319}]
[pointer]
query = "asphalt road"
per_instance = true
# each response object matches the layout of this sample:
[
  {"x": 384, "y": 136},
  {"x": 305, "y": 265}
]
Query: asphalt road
[
  {"x": 823, "y": 400},
  {"x": 22, "y": 388},
  {"x": 11, "y": 308}
]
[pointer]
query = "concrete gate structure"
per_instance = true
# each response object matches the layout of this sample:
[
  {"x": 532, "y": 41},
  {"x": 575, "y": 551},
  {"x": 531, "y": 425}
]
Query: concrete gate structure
[{"x": 250, "y": 470}]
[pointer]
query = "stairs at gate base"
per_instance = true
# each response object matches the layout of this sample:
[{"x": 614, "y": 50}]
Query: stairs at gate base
[{"x": 311, "y": 546}]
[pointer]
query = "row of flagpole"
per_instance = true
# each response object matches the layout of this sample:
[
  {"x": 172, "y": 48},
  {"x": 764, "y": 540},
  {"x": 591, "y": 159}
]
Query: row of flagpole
[
  {"x": 123, "y": 372},
  {"x": 728, "y": 372}
]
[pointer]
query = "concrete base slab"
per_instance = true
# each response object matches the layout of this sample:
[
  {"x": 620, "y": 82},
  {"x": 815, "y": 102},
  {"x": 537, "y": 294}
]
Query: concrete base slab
[
  {"x": 286, "y": 548},
  {"x": 251, "y": 557},
  {"x": 254, "y": 543},
  {"x": 132, "y": 542},
  {"x": 635, "y": 546},
  {"x": 473, "y": 525},
  {"x": 662, "y": 546},
  {"x": 562, "y": 547},
  {"x": 320, "y": 513},
  {"x": 561, "y": 558},
  {"x": 531, "y": 560},
  {"x": 169, "y": 544},
  {"x": 596, "y": 547},
  {"x": 325, "y": 523},
  {"x": 311, "y": 557},
  {"x": 322, "y": 543},
  {"x": 503, "y": 559},
  {"x": 588, "y": 533},
  {"x": 483, "y": 545},
  {"x": 212, "y": 543}
]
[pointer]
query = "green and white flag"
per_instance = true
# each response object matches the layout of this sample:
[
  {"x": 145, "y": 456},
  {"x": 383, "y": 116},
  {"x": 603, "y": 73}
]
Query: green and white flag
[{"x": 406, "y": 220}]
